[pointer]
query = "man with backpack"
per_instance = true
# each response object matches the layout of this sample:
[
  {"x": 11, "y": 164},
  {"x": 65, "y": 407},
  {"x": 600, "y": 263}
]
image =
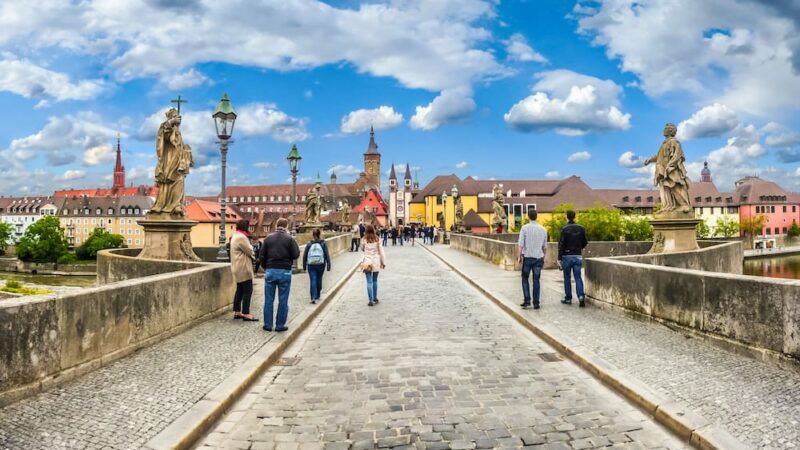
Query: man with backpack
[{"x": 315, "y": 260}]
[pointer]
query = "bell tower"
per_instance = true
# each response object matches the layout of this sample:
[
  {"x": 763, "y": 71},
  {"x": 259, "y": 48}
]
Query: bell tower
[
  {"x": 119, "y": 169},
  {"x": 372, "y": 163}
]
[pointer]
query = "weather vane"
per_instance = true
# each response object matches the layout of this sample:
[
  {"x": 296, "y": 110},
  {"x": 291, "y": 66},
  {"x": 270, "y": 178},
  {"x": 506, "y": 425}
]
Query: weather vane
[{"x": 178, "y": 102}]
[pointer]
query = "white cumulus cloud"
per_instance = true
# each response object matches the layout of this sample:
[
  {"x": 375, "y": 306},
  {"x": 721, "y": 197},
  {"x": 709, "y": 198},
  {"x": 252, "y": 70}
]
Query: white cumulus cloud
[
  {"x": 711, "y": 121},
  {"x": 381, "y": 118},
  {"x": 72, "y": 175},
  {"x": 461, "y": 165},
  {"x": 346, "y": 170},
  {"x": 29, "y": 80},
  {"x": 579, "y": 156},
  {"x": 630, "y": 160},
  {"x": 571, "y": 104},
  {"x": 450, "y": 106},
  {"x": 185, "y": 80},
  {"x": 518, "y": 49},
  {"x": 100, "y": 154},
  {"x": 552, "y": 174}
]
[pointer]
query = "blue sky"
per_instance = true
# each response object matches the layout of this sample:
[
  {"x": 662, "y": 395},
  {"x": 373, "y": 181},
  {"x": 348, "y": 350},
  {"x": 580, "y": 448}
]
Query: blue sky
[{"x": 519, "y": 89}]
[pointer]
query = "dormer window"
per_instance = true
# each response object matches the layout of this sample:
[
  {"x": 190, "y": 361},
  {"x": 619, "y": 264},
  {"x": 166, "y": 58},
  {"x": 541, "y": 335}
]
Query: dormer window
[
  {"x": 650, "y": 199},
  {"x": 110, "y": 211},
  {"x": 626, "y": 199},
  {"x": 638, "y": 199},
  {"x": 697, "y": 199},
  {"x": 98, "y": 211}
]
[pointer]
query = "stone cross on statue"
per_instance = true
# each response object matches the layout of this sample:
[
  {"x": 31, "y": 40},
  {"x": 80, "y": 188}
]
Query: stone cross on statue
[{"x": 178, "y": 102}]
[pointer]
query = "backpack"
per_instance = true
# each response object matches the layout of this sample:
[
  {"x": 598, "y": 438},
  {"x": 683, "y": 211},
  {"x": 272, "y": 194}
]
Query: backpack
[{"x": 316, "y": 254}]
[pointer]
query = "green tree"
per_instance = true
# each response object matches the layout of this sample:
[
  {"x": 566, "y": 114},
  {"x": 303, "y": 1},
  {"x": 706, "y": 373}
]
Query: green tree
[
  {"x": 602, "y": 223},
  {"x": 43, "y": 241},
  {"x": 726, "y": 227},
  {"x": 638, "y": 228},
  {"x": 702, "y": 230},
  {"x": 6, "y": 231},
  {"x": 752, "y": 227},
  {"x": 794, "y": 230},
  {"x": 99, "y": 240},
  {"x": 557, "y": 221}
]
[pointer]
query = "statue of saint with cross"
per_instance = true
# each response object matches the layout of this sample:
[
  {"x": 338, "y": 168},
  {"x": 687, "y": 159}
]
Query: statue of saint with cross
[{"x": 174, "y": 161}]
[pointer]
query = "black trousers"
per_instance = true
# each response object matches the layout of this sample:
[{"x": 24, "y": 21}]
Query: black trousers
[{"x": 241, "y": 300}]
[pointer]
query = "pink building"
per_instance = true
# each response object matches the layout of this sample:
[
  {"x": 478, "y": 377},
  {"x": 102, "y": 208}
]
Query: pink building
[{"x": 759, "y": 197}]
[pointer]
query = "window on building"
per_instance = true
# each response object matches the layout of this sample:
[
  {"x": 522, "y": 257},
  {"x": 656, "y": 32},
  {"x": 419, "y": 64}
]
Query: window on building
[
  {"x": 85, "y": 221},
  {"x": 784, "y": 230},
  {"x": 700, "y": 211},
  {"x": 137, "y": 241},
  {"x": 767, "y": 232},
  {"x": 777, "y": 231},
  {"x": 794, "y": 208},
  {"x": 94, "y": 221},
  {"x": 279, "y": 198},
  {"x": 711, "y": 210},
  {"x": 772, "y": 209},
  {"x": 784, "y": 208},
  {"x": 272, "y": 198},
  {"x": 130, "y": 221},
  {"x": 130, "y": 241},
  {"x": 137, "y": 211},
  {"x": 110, "y": 211},
  {"x": 249, "y": 209},
  {"x": 249, "y": 199}
]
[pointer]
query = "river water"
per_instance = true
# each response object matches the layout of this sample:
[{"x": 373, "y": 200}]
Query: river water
[
  {"x": 49, "y": 280},
  {"x": 778, "y": 267}
]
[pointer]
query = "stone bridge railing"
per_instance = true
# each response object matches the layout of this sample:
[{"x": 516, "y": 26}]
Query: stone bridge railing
[
  {"x": 46, "y": 340},
  {"x": 704, "y": 291}
]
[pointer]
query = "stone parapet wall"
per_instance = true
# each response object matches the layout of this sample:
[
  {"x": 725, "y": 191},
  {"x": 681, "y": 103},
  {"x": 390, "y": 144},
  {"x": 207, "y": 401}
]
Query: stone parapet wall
[
  {"x": 503, "y": 250},
  {"x": 725, "y": 257},
  {"x": 15, "y": 265},
  {"x": 760, "y": 313},
  {"x": 47, "y": 339}
]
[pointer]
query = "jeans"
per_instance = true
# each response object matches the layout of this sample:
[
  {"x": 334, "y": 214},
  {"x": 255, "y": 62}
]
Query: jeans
[
  {"x": 241, "y": 299},
  {"x": 280, "y": 279},
  {"x": 315, "y": 272},
  {"x": 354, "y": 245},
  {"x": 531, "y": 265},
  {"x": 385, "y": 239},
  {"x": 571, "y": 265},
  {"x": 372, "y": 285}
]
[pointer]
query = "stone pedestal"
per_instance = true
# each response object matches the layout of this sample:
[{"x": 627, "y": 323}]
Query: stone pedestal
[
  {"x": 310, "y": 227},
  {"x": 168, "y": 239},
  {"x": 674, "y": 235}
]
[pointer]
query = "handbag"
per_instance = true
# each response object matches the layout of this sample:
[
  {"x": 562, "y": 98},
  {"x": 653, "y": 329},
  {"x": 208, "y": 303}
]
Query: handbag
[{"x": 366, "y": 267}]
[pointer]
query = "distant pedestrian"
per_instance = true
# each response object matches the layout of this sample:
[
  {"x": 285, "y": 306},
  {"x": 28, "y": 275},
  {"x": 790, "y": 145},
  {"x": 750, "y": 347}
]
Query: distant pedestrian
[
  {"x": 384, "y": 236},
  {"x": 393, "y": 233},
  {"x": 400, "y": 234},
  {"x": 256, "y": 251},
  {"x": 361, "y": 230},
  {"x": 277, "y": 255},
  {"x": 571, "y": 243},
  {"x": 413, "y": 235},
  {"x": 315, "y": 259},
  {"x": 242, "y": 258},
  {"x": 532, "y": 248},
  {"x": 372, "y": 262},
  {"x": 354, "y": 238}
]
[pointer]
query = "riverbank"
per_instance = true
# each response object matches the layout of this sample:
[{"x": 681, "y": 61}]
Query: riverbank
[{"x": 770, "y": 252}]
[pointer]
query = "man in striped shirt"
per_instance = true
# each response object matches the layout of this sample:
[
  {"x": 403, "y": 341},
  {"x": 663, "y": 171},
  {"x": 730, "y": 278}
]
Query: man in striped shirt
[{"x": 532, "y": 248}]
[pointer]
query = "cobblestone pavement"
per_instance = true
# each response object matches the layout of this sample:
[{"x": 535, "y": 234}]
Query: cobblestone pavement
[
  {"x": 757, "y": 402},
  {"x": 433, "y": 366},
  {"x": 126, "y": 403}
]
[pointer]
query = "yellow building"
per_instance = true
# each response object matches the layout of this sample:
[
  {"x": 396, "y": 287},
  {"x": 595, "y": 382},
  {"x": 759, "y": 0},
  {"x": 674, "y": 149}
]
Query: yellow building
[
  {"x": 207, "y": 214},
  {"x": 477, "y": 195},
  {"x": 80, "y": 216}
]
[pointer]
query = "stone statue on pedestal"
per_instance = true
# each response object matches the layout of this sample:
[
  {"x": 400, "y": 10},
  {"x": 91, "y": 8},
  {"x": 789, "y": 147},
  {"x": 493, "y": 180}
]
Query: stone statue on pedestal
[
  {"x": 312, "y": 206},
  {"x": 174, "y": 161},
  {"x": 670, "y": 176},
  {"x": 346, "y": 212},
  {"x": 498, "y": 202},
  {"x": 459, "y": 215}
]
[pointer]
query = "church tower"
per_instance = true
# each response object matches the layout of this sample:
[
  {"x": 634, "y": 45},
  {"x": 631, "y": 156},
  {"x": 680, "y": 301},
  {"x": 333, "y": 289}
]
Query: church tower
[
  {"x": 119, "y": 170},
  {"x": 705, "y": 174},
  {"x": 392, "y": 197},
  {"x": 372, "y": 163}
]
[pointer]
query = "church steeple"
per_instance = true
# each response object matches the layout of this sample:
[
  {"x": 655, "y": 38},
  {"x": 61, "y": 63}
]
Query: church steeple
[
  {"x": 705, "y": 174},
  {"x": 119, "y": 169},
  {"x": 372, "y": 163}
]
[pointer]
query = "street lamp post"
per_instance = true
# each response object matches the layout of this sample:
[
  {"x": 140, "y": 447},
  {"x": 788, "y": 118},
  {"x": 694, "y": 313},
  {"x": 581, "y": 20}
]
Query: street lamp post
[
  {"x": 224, "y": 118},
  {"x": 294, "y": 166},
  {"x": 454, "y": 193}
]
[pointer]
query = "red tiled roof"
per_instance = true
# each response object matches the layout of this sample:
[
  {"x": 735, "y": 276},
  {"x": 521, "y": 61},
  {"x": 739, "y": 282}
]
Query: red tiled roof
[
  {"x": 205, "y": 211},
  {"x": 373, "y": 199},
  {"x": 129, "y": 191}
]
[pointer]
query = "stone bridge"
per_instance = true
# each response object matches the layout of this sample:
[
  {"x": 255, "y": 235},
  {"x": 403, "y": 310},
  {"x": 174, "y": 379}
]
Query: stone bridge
[{"x": 446, "y": 360}]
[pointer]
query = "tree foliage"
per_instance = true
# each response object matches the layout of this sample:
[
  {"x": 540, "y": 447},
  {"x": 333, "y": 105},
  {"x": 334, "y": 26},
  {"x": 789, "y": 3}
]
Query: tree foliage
[
  {"x": 702, "y": 230},
  {"x": 43, "y": 241},
  {"x": 601, "y": 224},
  {"x": 794, "y": 230},
  {"x": 99, "y": 240},
  {"x": 6, "y": 231},
  {"x": 638, "y": 228},
  {"x": 726, "y": 227},
  {"x": 752, "y": 226}
]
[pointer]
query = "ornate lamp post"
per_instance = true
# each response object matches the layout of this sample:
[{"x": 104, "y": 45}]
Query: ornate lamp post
[
  {"x": 294, "y": 166},
  {"x": 456, "y": 200},
  {"x": 224, "y": 118}
]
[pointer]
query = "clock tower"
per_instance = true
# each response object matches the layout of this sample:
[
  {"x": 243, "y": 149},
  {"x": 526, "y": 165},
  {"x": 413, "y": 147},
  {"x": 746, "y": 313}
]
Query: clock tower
[{"x": 372, "y": 163}]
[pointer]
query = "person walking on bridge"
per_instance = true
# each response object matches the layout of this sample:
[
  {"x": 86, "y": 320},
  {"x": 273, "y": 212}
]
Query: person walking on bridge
[
  {"x": 277, "y": 254},
  {"x": 242, "y": 257},
  {"x": 571, "y": 243},
  {"x": 315, "y": 259},
  {"x": 372, "y": 262},
  {"x": 532, "y": 248}
]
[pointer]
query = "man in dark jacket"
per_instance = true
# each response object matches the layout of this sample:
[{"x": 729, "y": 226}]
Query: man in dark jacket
[
  {"x": 570, "y": 246},
  {"x": 277, "y": 254}
]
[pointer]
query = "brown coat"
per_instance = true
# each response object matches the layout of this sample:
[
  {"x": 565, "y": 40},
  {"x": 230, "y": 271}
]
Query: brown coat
[{"x": 241, "y": 257}]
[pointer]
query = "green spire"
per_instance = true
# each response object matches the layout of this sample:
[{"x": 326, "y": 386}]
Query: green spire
[{"x": 319, "y": 180}]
